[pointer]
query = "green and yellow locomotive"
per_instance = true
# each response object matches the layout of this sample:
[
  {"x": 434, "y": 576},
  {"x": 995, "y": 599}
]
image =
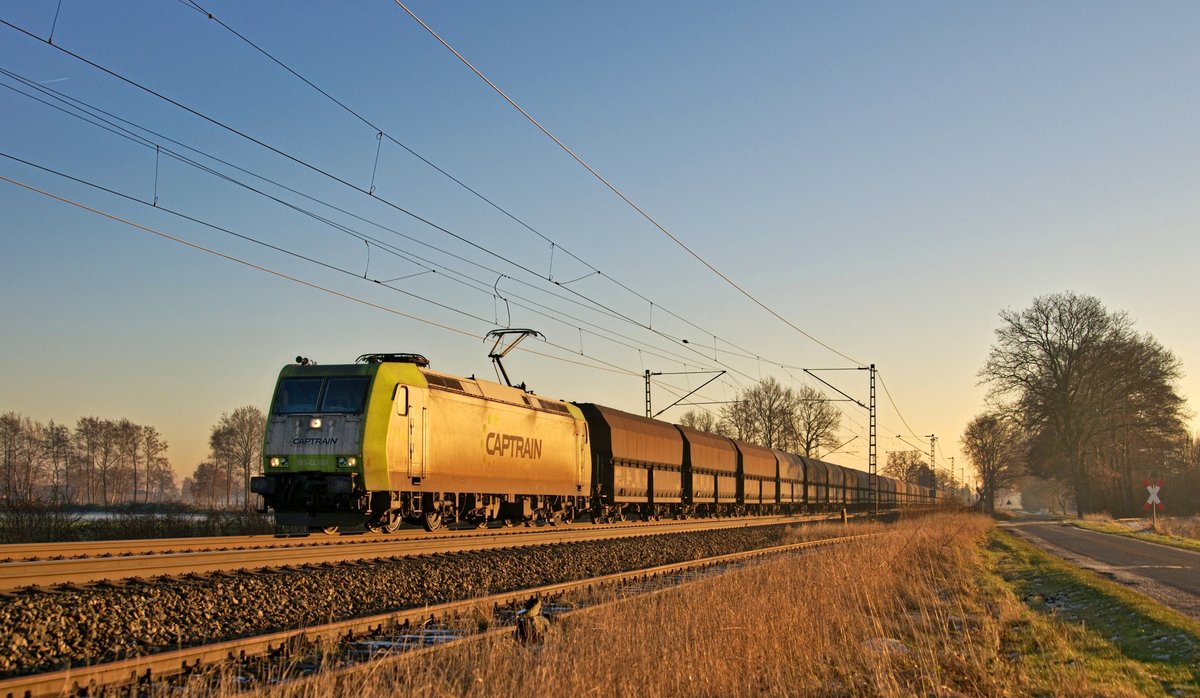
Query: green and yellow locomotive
[{"x": 350, "y": 445}]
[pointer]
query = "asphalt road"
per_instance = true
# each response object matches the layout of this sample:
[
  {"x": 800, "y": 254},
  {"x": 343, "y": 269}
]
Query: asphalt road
[{"x": 1169, "y": 575}]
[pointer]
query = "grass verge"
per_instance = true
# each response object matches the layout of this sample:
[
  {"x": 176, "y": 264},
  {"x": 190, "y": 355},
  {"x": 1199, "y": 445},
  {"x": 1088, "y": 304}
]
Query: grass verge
[{"x": 1123, "y": 642}]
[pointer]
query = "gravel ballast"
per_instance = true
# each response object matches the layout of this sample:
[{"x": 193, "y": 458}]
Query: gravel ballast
[{"x": 64, "y": 628}]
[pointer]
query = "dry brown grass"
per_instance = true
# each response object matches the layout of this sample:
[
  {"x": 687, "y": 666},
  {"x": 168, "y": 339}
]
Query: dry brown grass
[
  {"x": 1181, "y": 526},
  {"x": 914, "y": 613}
]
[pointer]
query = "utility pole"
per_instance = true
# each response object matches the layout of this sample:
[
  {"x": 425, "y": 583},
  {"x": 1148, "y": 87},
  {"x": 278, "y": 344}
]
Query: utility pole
[
  {"x": 690, "y": 393},
  {"x": 872, "y": 437},
  {"x": 932, "y": 468},
  {"x": 872, "y": 461},
  {"x": 648, "y": 374}
]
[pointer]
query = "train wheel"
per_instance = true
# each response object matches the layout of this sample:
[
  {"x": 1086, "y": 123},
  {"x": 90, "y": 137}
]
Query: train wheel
[
  {"x": 327, "y": 530},
  {"x": 391, "y": 524},
  {"x": 432, "y": 520}
]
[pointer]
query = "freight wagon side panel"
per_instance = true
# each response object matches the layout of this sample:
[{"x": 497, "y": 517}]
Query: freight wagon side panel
[
  {"x": 791, "y": 477},
  {"x": 704, "y": 488},
  {"x": 710, "y": 467},
  {"x": 818, "y": 481},
  {"x": 760, "y": 468},
  {"x": 837, "y": 485},
  {"x": 628, "y": 451}
]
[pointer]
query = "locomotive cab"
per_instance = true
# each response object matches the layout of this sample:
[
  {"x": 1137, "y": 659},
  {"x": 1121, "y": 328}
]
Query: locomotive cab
[{"x": 313, "y": 448}]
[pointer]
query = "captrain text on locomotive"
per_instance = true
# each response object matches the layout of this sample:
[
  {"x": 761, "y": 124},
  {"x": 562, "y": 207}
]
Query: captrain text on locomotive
[{"x": 386, "y": 440}]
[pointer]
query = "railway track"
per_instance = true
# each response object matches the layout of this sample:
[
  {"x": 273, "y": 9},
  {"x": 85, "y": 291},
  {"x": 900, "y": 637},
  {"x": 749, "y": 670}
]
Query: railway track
[
  {"x": 382, "y": 635},
  {"x": 48, "y": 565}
]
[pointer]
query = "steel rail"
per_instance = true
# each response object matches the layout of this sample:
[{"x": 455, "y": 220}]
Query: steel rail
[
  {"x": 23, "y": 574},
  {"x": 190, "y": 659},
  {"x": 29, "y": 552}
]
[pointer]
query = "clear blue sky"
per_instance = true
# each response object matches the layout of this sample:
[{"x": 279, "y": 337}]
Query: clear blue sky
[{"x": 887, "y": 176}]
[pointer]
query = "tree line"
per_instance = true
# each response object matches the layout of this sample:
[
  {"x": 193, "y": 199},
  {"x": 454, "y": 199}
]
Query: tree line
[
  {"x": 1080, "y": 399},
  {"x": 235, "y": 454},
  {"x": 801, "y": 420},
  {"x": 103, "y": 462},
  {"x": 97, "y": 461}
]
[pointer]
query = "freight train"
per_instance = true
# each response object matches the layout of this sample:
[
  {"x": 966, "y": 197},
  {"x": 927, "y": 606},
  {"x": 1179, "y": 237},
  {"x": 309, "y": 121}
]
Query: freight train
[{"x": 387, "y": 440}]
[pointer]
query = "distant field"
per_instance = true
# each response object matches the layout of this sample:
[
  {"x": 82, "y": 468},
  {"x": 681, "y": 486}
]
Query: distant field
[
  {"x": 56, "y": 524},
  {"x": 945, "y": 607}
]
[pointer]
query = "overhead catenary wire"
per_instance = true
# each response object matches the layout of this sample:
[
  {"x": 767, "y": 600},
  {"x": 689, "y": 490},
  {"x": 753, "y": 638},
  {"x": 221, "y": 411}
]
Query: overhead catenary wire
[
  {"x": 619, "y": 193},
  {"x": 345, "y": 296},
  {"x": 384, "y": 134},
  {"x": 596, "y": 362},
  {"x": 127, "y": 134},
  {"x": 745, "y": 353},
  {"x": 415, "y": 259},
  {"x": 256, "y": 241},
  {"x": 329, "y": 175}
]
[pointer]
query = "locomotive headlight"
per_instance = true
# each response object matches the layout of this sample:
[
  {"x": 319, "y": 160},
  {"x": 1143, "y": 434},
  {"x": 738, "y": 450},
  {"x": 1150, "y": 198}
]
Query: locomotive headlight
[
  {"x": 315, "y": 423},
  {"x": 351, "y": 461},
  {"x": 278, "y": 462},
  {"x": 275, "y": 462}
]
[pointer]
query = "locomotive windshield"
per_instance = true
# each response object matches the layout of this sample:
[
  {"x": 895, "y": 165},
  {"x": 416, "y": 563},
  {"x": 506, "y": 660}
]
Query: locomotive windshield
[
  {"x": 344, "y": 394},
  {"x": 298, "y": 395}
]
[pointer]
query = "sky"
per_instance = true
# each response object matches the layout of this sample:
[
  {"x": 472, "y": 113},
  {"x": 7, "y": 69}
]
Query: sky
[{"x": 887, "y": 177}]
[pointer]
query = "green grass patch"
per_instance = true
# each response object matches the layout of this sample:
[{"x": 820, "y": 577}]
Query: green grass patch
[
  {"x": 1119, "y": 530},
  {"x": 1119, "y": 638}
]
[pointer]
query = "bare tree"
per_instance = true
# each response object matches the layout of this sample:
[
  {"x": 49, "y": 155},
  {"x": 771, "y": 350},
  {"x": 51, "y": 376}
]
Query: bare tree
[
  {"x": 816, "y": 422},
  {"x": 10, "y": 456},
  {"x": 153, "y": 448},
  {"x": 909, "y": 466},
  {"x": 87, "y": 447},
  {"x": 128, "y": 439},
  {"x": 1071, "y": 373},
  {"x": 56, "y": 445},
  {"x": 21, "y": 458},
  {"x": 206, "y": 485},
  {"x": 992, "y": 442},
  {"x": 236, "y": 443},
  {"x": 762, "y": 414},
  {"x": 737, "y": 422},
  {"x": 162, "y": 479},
  {"x": 700, "y": 420},
  {"x": 107, "y": 459}
]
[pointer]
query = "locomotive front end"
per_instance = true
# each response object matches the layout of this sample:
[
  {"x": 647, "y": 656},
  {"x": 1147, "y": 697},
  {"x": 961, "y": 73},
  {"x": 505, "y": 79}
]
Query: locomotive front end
[{"x": 313, "y": 466}]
